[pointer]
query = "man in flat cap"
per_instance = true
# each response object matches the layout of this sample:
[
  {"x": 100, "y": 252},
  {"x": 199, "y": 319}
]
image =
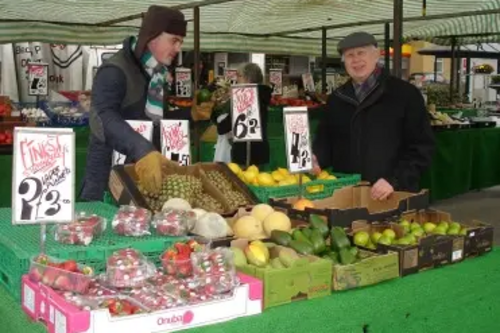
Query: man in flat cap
[
  {"x": 375, "y": 125},
  {"x": 130, "y": 86}
]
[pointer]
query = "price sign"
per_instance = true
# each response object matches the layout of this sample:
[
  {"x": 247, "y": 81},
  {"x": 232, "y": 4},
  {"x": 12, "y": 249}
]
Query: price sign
[
  {"x": 308, "y": 82},
  {"x": 38, "y": 79},
  {"x": 43, "y": 184},
  {"x": 276, "y": 79},
  {"x": 330, "y": 83},
  {"x": 231, "y": 75},
  {"x": 175, "y": 141},
  {"x": 183, "y": 84},
  {"x": 145, "y": 128},
  {"x": 298, "y": 144},
  {"x": 245, "y": 113}
]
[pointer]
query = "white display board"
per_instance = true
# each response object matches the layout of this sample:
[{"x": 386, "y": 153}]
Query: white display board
[
  {"x": 308, "y": 82},
  {"x": 298, "y": 139},
  {"x": 183, "y": 82},
  {"x": 38, "y": 79},
  {"x": 231, "y": 75},
  {"x": 276, "y": 79},
  {"x": 175, "y": 141},
  {"x": 245, "y": 113},
  {"x": 143, "y": 127},
  {"x": 43, "y": 180}
]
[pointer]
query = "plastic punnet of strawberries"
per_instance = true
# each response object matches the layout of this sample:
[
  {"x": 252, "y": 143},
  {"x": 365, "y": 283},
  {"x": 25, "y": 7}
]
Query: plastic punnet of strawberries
[
  {"x": 176, "y": 261},
  {"x": 132, "y": 221},
  {"x": 128, "y": 268},
  {"x": 81, "y": 231},
  {"x": 119, "y": 306},
  {"x": 174, "y": 222},
  {"x": 61, "y": 275}
]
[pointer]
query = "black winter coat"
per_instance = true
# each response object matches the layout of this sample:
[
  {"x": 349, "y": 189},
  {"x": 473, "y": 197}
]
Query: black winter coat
[{"x": 387, "y": 136}]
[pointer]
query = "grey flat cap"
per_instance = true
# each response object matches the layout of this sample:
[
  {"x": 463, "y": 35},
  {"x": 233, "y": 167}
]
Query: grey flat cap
[{"x": 357, "y": 39}]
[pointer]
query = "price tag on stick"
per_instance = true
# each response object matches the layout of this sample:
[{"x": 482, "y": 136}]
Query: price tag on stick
[
  {"x": 38, "y": 79},
  {"x": 231, "y": 75},
  {"x": 175, "y": 141},
  {"x": 308, "y": 82},
  {"x": 145, "y": 128},
  {"x": 43, "y": 184},
  {"x": 245, "y": 113},
  {"x": 183, "y": 83},
  {"x": 276, "y": 79},
  {"x": 297, "y": 136}
]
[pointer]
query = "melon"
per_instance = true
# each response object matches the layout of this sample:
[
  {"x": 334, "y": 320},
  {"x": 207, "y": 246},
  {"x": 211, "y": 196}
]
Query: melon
[
  {"x": 211, "y": 226},
  {"x": 176, "y": 203},
  {"x": 277, "y": 221},
  {"x": 261, "y": 211},
  {"x": 199, "y": 212},
  {"x": 248, "y": 227}
]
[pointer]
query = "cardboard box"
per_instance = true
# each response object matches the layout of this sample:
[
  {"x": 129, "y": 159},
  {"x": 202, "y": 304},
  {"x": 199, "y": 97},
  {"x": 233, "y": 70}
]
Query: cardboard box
[
  {"x": 478, "y": 240},
  {"x": 373, "y": 269},
  {"x": 123, "y": 188},
  {"x": 310, "y": 277},
  {"x": 355, "y": 203},
  {"x": 431, "y": 251}
]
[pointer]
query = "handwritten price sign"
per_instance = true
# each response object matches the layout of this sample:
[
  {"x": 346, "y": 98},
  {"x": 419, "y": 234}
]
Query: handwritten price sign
[
  {"x": 43, "y": 185},
  {"x": 231, "y": 75},
  {"x": 145, "y": 128},
  {"x": 276, "y": 79},
  {"x": 308, "y": 82},
  {"x": 298, "y": 144},
  {"x": 38, "y": 79},
  {"x": 175, "y": 141},
  {"x": 245, "y": 113},
  {"x": 183, "y": 82},
  {"x": 330, "y": 83}
]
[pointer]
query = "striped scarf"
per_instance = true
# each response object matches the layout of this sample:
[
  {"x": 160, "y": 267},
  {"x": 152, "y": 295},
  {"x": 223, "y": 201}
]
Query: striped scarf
[{"x": 158, "y": 74}]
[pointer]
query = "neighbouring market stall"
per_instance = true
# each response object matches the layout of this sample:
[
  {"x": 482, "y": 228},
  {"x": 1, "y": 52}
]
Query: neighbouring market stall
[{"x": 166, "y": 266}]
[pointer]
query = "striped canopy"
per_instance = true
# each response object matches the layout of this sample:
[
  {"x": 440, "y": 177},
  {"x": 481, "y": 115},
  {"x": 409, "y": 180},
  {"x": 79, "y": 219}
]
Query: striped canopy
[{"x": 266, "y": 26}]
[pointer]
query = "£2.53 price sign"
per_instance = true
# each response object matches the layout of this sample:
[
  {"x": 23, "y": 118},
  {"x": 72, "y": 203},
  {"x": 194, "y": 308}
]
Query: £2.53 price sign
[
  {"x": 145, "y": 128},
  {"x": 245, "y": 113},
  {"x": 43, "y": 184},
  {"x": 276, "y": 79},
  {"x": 175, "y": 141},
  {"x": 38, "y": 79},
  {"x": 298, "y": 144},
  {"x": 183, "y": 82}
]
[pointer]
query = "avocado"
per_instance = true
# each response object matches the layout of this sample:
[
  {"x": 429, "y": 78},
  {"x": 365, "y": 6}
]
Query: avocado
[
  {"x": 281, "y": 237},
  {"x": 302, "y": 247},
  {"x": 299, "y": 236},
  {"x": 318, "y": 223},
  {"x": 317, "y": 241}
]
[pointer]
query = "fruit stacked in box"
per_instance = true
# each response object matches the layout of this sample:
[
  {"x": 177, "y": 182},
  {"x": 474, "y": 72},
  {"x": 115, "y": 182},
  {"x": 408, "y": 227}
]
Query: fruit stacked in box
[{"x": 191, "y": 272}]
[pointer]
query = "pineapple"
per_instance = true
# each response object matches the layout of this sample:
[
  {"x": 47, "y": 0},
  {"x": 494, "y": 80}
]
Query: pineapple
[{"x": 210, "y": 204}]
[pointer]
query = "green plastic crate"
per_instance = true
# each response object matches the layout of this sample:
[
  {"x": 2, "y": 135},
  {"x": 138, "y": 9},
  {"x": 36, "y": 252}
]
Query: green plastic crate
[
  {"x": 207, "y": 151},
  {"x": 329, "y": 186},
  {"x": 19, "y": 243}
]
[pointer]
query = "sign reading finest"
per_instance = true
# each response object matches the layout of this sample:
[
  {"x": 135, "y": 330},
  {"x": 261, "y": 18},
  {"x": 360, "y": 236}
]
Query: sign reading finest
[{"x": 43, "y": 184}]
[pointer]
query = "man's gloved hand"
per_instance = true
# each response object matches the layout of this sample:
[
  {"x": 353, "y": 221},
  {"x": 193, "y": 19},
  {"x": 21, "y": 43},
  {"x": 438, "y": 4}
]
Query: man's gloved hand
[{"x": 149, "y": 170}]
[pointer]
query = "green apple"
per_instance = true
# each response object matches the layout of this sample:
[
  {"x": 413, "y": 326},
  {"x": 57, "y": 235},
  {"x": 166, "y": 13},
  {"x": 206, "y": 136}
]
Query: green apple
[
  {"x": 389, "y": 233},
  {"x": 415, "y": 225},
  {"x": 361, "y": 238},
  {"x": 463, "y": 232},
  {"x": 404, "y": 241},
  {"x": 429, "y": 227},
  {"x": 418, "y": 232},
  {"x": 439, "y": 230},
  {"x": 445, "y": 225},
  {"x": 385, "y": 240},
  {"x": 411, "y": 238},
  {"x": 454, "y": 231},
  {"x": 375, "y": 237},
  {"x": 455, "y": 225}
]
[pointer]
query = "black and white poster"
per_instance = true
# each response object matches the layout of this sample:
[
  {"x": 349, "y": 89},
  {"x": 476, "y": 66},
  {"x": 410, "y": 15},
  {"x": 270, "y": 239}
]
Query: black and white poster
[
  {"x": 245, "y": 113},
  {"x": 298, "y": 139}
]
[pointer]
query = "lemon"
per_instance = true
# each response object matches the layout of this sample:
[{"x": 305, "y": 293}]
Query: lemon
[
  {"x": 292, "y": 180},
  {"x": 277, "y": 176},
  {"x": 265, "y": 179},
  {"x": 284, "y": 172},
  {"x": 253, "y": 169},
  {"x": 331, "y": 177},
  {"x": 249, "y": 176},
  {"x": 323, "y": 175},
  {"x": 305, "y": 179},
  {"x": 234, "y": 168}
]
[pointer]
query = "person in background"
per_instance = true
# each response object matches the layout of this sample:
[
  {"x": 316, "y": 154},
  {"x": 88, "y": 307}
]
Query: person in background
[
  {"x": 375, "y": 125},
  {"x": 130, "y": 86},
  {"x": 259, "y": 151}
]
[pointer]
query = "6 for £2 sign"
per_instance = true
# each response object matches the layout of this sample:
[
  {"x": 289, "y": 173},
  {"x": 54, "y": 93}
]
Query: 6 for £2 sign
[
  {"x": 43, "y": 183},
  {"x": 245, "y": 113}
]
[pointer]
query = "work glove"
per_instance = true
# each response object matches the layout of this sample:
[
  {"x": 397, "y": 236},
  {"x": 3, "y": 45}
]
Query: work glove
[{"x": 149, "y": 170}]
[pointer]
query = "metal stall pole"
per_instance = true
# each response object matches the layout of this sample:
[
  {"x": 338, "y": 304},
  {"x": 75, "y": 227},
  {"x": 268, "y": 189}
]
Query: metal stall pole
[
  {"x": 387, "y": 48},
  {"x": 324, "y": 33},
  {"x": 397, "y": 37},
  {"x": 197, "y": 125},
  {"x": 452, "y": 65}
]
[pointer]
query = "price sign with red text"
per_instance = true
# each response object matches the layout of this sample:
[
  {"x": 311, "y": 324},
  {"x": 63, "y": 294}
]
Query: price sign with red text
[
  {"x": 145, "y": 128},
  {"x": 308, "y": 82},
  {"x": 43, "y": 180},
  {"x": 183, "y": 83},
  {"x": 297, "y": 136},
  {"x": 38, "y": 79},
  {"x": 245, "y": 113},
  {"x": 276, "y": 79},
  {"x": 231, "y": 75},
  {"x": 175, "y": 141}
]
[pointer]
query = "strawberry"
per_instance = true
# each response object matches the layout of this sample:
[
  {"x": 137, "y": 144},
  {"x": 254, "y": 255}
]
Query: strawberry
[
  {"x": 49, "y": 277},
  {"x": 70, "y": 266},
  {"x": 36, "y": 274},
  {"x": 62, "y": 282}
]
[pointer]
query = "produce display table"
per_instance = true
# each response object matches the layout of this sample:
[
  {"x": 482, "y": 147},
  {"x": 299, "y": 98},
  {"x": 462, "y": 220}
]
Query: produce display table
[
  {"x": 459, "y": 298},
  {"x": 465, "y": 112}
]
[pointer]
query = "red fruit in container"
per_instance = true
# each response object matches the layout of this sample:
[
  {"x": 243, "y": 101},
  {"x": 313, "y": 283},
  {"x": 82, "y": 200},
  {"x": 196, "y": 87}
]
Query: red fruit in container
[
  {"x": 70, "y": 266},
  {"x": 174, "y": 222},
  {"x": 132, "y": 221},
  {"x": 36, "y": 274},
  {"x": 128, "y": 268},
  {"x": 81, "y": 231},
  {"x": 62, "y": 282},
  {"x": 49, "y": 277}
]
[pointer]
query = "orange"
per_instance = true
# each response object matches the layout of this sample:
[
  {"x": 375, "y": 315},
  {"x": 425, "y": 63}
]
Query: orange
[{"x": 302, "y": 204}]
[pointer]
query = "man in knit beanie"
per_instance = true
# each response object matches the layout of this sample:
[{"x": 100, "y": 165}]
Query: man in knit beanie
[{"x": 130, "y": 86}]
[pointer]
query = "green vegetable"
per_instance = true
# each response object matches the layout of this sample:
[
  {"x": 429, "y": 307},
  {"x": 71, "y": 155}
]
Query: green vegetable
[
  {"x": 318, "y": 223},
  {"x": 317, "y": 241},
  {"x": 302, "y": 247},
  {"x": 281, "y": 237},
  {"x": 299, "y": 236},
  {"x": 338, "y": 239},
  {"x": 306, "y": 232},
  {"x": 346, "y": 256}
]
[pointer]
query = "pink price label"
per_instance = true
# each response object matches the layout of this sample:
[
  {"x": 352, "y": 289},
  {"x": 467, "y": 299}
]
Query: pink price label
[
  {"x": 243, "y": 98},
  {"x": 296, "y": 123},
  {"x": 183, "y": 76},
  {"x": 37, "y": 70}
]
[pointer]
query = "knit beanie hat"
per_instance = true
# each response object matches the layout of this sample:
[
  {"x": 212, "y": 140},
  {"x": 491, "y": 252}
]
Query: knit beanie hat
[{"x": 159, "y": 19}]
